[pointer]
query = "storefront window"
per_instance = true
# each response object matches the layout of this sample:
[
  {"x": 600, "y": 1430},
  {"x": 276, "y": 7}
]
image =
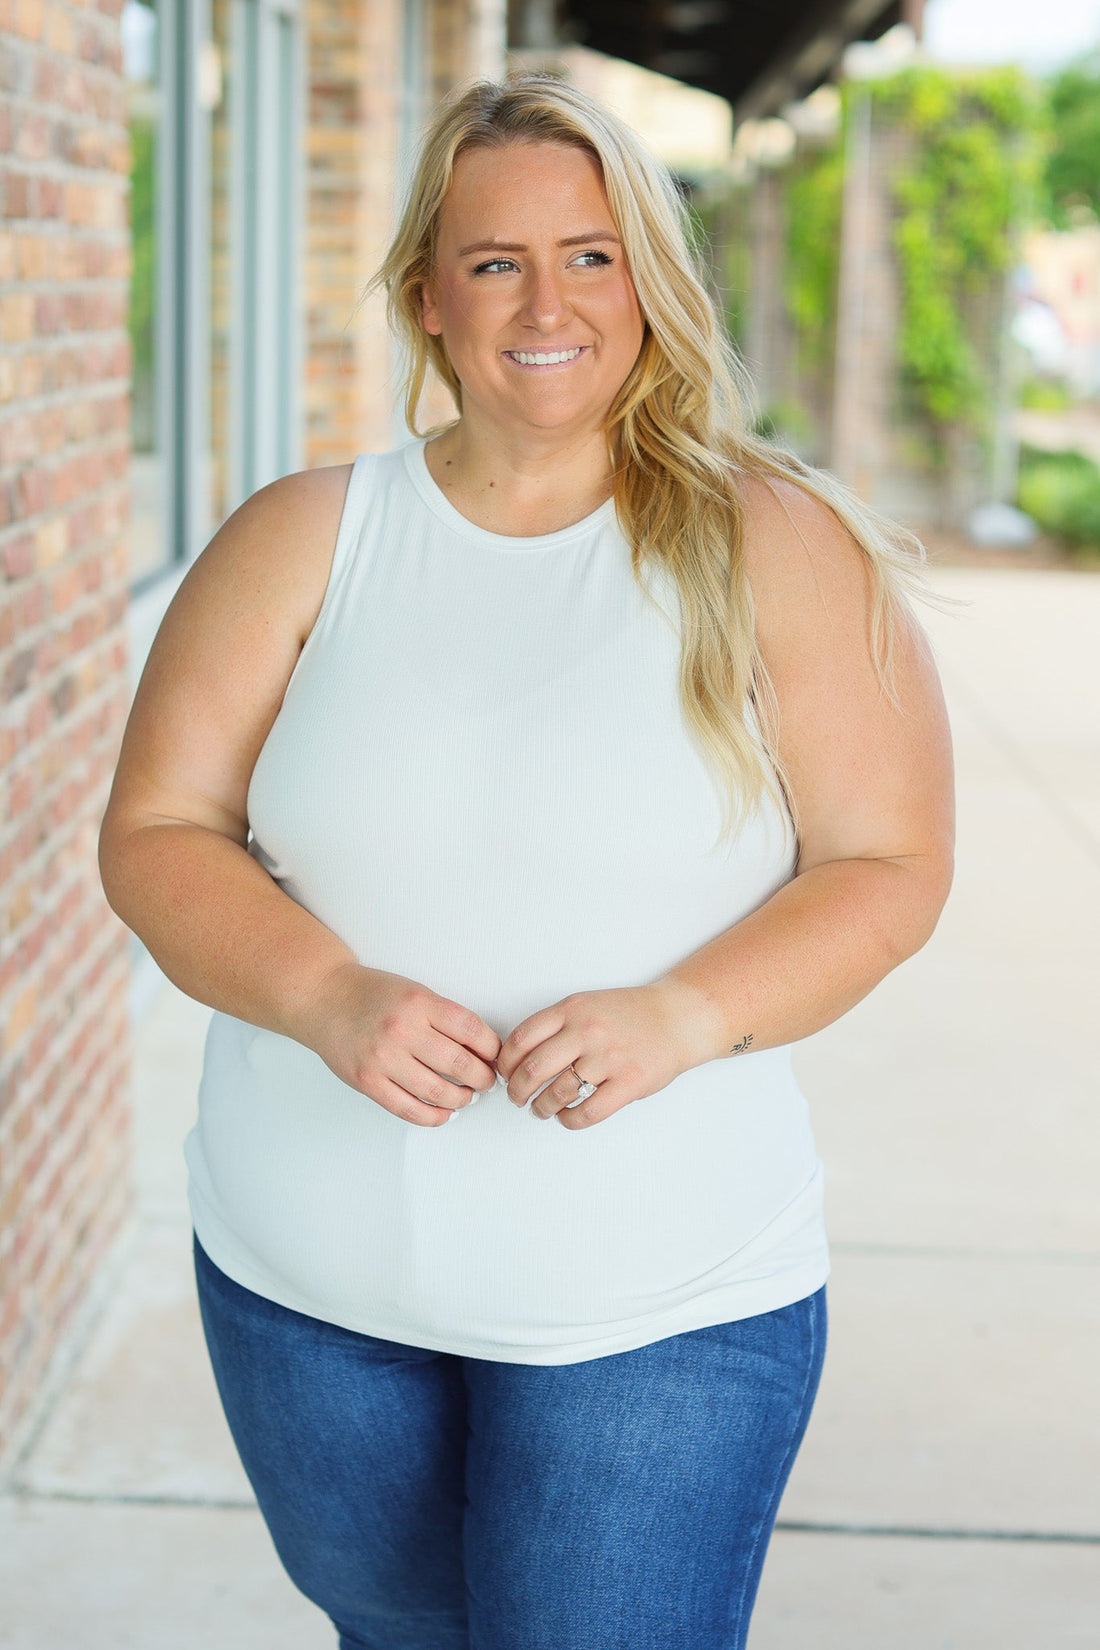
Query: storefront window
[
  {"x": 216, "y": 113},
  {"x": 221, "y": 251},
  {"x": 147, "y": 517},
  {"x": 256, "y": 152}
]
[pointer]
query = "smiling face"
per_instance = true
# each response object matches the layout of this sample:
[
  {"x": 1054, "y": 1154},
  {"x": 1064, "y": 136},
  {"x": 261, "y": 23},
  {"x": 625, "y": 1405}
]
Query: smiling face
[{"x": 552, "y": 280}]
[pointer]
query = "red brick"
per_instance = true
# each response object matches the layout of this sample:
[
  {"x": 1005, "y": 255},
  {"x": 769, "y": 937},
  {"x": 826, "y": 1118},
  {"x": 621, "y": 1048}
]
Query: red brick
[
  {"x": 35, "y": 489},
  {"x": 65, "y": 459},
  {"x": 65, "y": 264}
]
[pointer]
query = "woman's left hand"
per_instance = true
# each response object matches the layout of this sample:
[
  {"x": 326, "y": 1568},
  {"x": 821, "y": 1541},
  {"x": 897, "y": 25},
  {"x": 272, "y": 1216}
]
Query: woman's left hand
[{"x": 630, "y": 1041}]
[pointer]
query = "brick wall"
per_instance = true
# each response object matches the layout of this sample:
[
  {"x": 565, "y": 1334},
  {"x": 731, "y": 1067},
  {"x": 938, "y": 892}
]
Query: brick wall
[
  {"x": 865, "y": 412},
  {"x": 65, "y": 260},
  {"x": 466, "y": 40},
  {"x": 353, "y": 85},
  {"x": 64, "y": 445},
  {"x": 355, "y": 78}
]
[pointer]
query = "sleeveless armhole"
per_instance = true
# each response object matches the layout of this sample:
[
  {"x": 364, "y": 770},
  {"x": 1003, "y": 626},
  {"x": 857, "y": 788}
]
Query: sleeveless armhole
[{"x": 348, "y": 534}]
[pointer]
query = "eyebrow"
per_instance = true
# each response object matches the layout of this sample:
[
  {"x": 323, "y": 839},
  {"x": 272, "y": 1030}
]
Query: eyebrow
[{"x": 514, "y": 246}]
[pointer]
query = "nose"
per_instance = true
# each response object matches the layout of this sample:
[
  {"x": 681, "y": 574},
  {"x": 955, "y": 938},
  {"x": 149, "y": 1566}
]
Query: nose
[{"x": 545, "y": 303}]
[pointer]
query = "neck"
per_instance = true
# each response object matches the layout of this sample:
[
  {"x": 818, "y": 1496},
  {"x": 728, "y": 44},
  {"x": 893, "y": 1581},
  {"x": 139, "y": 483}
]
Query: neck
[{"x": 509, "y": 483}]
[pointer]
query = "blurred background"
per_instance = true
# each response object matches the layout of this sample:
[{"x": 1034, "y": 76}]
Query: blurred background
[{"x": 898, "y": 206}]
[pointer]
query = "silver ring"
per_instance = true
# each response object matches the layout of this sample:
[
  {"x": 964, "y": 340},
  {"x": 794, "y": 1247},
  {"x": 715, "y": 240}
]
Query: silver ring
[{"x": 583, "y": 1092}]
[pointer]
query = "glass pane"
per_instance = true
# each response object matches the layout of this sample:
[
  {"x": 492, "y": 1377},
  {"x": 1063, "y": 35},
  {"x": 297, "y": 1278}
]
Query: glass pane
[
  {"x": 222, "y": 245},
  {"x": 286, "y": 455},
  {"x": 138, "y": 25}
]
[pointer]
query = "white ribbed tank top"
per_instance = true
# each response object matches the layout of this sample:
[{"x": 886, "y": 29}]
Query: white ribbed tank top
[{"x": 480, "y": 777}]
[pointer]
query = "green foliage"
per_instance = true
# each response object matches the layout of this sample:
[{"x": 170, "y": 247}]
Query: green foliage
[
  {"x": 1061, "y": 491},
  {"x": 964, "y": 151},
  {"x": 721, "y": 220},
  {"x": 1045, "y": 395},
  {"x": 1071, "y": 175},
  {"x": 815, "y": 191},
  {"x": 959, "y": 192},
  {"x": 143, "y": 237},
  {"x": 784, "y": 424}
]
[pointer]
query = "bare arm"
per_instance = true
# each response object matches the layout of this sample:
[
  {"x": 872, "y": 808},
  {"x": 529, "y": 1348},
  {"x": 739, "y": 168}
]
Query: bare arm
[
  {"x": 874, "y": 787},
  {"x": 172, "y": 845},
  {"x": 172, "y": 850}
]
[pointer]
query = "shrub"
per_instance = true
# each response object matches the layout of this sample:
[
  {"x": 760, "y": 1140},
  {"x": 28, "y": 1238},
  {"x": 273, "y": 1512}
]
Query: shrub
[
  {"x": 1061, "y": 491},
  {"x": 1046, "y": 395}
]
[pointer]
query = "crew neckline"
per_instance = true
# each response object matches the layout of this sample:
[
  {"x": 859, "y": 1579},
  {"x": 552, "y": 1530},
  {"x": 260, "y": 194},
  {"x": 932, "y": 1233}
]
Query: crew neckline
[{"x": 416, "y": 464}]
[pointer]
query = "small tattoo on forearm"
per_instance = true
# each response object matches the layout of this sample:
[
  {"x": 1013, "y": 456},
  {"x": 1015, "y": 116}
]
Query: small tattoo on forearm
[{"x": 739, "y": 1048}]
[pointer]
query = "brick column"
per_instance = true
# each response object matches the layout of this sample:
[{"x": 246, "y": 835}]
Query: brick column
[
  {"x": 880, "y": 444},
  {"x": 356, "y": 77},
  {"x": 64, "y": 453},
  {"x": 466, "y": 40},
  {"x": 768, "y": 346},
  {"x": 354, "y": 82},
  {"x": 867, "y": 310}
]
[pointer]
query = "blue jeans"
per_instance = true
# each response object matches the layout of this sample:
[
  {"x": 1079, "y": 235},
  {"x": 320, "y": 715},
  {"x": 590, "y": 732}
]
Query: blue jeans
[{"x": 429, "y": 1501}]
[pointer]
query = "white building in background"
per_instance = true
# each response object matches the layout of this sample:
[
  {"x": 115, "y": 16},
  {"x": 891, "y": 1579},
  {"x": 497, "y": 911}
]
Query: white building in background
[
  {"x": 1062, "y": 301},
  {"x": 689, "y": 129}
]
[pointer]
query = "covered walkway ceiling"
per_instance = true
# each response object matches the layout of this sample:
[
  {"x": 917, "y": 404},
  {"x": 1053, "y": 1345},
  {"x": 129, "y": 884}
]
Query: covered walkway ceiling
[{"x": 759, "y": 54}]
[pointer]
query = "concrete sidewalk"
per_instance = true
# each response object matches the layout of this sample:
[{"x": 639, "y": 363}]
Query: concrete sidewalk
[{"x": 947, "y": 1496}]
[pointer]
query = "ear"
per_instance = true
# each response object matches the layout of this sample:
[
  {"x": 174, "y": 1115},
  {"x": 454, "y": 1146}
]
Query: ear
[{"x": 428, "y": 311}]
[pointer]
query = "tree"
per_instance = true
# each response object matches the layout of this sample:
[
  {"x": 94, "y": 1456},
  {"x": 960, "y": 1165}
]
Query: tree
[{"x": 1072, "y": 171}]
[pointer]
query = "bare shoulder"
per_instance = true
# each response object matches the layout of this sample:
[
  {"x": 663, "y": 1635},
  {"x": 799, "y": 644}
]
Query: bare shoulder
[
  {"x": 284, "y": 535},
  {"x": 806, "y": 571},
  {"x": 224, "y": 652},
  {"x": 871, "y": 772}
]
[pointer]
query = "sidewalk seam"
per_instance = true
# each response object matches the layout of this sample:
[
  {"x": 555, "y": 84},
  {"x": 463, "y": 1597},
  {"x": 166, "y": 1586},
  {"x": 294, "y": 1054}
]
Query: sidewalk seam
[{"x": 926, "y": 1532}]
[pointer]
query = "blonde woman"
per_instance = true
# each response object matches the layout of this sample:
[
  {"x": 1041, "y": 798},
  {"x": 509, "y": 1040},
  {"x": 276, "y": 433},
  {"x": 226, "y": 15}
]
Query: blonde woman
[{"x": 517, "y": 798}]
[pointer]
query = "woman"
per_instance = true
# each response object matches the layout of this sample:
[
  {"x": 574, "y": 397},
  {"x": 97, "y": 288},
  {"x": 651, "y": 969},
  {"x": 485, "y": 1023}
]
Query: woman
[{"x": 525, "y": 834}]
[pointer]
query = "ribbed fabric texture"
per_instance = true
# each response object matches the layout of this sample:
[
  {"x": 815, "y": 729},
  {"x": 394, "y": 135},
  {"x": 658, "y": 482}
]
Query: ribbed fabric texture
[{"x": 481, "y": 778}]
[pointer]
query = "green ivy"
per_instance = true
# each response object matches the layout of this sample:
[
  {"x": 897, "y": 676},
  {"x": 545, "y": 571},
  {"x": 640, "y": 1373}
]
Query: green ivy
[
  {"x": 1071, "y": 170},
  {"x": 722, "y": 222},
  {"x": 815, "y": 189},
  {"x": 967, "y": 146},
  {"x": 959, "y": 188},
  {"x": 143, "y": 240}
]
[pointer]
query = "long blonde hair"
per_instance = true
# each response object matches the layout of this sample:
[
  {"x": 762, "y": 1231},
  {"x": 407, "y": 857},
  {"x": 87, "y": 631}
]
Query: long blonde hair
[{"x": 678, "y": 430}]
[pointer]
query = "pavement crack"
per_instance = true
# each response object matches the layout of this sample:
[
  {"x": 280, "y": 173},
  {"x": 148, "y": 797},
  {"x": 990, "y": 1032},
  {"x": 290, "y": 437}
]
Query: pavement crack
[
  {"x": 932, "y": 1532},
  {"x": 946, "y": 1251},
  {"x": 96, "y": 1498}
]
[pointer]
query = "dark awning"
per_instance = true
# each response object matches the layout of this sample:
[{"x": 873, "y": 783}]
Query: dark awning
[{"x": 759, "y": 54}]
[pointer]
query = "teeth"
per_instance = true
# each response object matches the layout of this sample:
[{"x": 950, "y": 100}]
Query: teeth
[{"x": 543, "y": 360}]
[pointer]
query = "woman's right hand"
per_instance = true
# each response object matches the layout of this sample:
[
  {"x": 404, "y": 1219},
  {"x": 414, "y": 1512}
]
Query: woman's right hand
[{"x": 415, "y": 1053}]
